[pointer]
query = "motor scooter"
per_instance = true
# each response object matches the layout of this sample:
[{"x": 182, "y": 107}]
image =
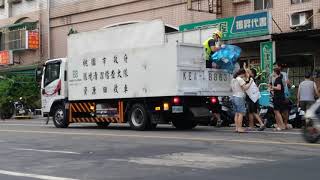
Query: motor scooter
[
  {"x": 311, "y": 131},
  {"x": 20, "y": 108}
]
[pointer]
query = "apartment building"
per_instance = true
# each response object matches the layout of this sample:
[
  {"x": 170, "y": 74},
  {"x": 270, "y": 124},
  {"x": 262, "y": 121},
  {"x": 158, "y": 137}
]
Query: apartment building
[
  {"x": 295, "y": 23},
  {"x": 23, "y": 35}
]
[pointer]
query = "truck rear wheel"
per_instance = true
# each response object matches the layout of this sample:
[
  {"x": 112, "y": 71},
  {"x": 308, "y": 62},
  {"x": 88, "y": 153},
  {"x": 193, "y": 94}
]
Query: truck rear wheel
[
  {"x": 138, "y": 117},
  {"x": 59, "y": 117}
]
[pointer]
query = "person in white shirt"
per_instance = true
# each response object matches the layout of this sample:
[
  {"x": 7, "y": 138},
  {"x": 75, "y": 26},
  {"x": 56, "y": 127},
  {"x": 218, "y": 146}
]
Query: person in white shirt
[{"x": 239, "y": 86}]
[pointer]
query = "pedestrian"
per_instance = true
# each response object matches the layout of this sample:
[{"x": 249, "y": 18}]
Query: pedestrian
[
  {"x": 307, "y": 92},
  {"x": 253, "y": 106},
  {"x": 212, "y": 45},
  {"x": 239, "y": 86},
  {"x": 286, "y": 84},
  {"x": 277, "y": 88}
]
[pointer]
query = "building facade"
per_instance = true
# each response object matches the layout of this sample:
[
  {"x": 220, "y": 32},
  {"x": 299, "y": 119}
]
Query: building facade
[{"x": 55, "y": 19}]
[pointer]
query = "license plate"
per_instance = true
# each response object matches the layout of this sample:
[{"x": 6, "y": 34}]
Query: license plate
[
  {"x": 218, "y": 77},
  {"x": 177, "y": 109},
  {"x": 301, "y": 113},
  {"x": 22, "y": 111},
  {"x": 292, "y": 116}
]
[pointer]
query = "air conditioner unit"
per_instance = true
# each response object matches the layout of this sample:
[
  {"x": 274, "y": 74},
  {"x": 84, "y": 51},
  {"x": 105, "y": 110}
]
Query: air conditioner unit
[{"x": 299, "y": 19}]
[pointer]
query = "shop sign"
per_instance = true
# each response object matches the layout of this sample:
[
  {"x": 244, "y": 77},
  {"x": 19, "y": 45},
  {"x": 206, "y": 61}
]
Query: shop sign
[
  {"x": 32, "y": 40},
  {"x": 267, "y": 55},
  {"x": 249, "y": 25},
  {"x": 6, "y": 57}
]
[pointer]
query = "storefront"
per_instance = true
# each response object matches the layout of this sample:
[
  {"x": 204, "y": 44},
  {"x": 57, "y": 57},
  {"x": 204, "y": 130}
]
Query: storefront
[{"x": 298, "y": 51}]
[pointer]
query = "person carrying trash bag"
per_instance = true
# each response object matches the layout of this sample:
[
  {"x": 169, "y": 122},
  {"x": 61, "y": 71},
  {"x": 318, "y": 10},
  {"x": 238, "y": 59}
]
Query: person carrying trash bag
[{"x": 212, "y": 45}]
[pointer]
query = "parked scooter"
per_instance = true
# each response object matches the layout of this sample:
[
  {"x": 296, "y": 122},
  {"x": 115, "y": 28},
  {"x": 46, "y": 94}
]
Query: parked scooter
[
  {"x": 20, "y": 108},
  {"x": 227, "y": 113},
  {"x": 311, "y": 131},
  {"x": 266, "y": 106},
  {"x": 296, "y": 116}
]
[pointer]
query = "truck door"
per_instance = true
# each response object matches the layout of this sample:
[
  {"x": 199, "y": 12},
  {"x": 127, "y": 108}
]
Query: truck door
[{"x": 51, "y": 84}]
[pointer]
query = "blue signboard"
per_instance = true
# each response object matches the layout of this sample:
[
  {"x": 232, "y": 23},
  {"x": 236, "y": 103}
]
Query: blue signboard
[
  {"x": 251, "y": 22},
  {"x": 249, "y": 25}
]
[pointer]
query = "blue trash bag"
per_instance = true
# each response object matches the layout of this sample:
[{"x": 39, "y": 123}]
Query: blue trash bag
[{"x": 227, "y": 57}]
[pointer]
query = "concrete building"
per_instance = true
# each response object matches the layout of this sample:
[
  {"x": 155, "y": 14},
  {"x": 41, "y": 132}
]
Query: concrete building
[{"x": 85, "y": 15}]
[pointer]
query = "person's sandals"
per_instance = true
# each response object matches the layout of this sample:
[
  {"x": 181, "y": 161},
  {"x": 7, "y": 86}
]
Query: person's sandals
[
  {"x": 242, "y": 131},
  {"x": 277, "y": 129},
  {"x": 262, "y": 127}
]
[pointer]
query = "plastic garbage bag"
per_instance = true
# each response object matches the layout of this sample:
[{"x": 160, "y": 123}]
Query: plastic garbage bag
[{"x": 227, "y": 57}]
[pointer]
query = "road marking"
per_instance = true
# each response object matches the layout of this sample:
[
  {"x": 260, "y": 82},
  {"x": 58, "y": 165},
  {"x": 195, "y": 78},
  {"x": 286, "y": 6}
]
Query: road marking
[
  {"x": 36, "y": 176},
  {"x": 195, "y": 160},
  {"x": 43, "y": 150},
  {"x": 167, "y": 137},
  {"x": 28, "y": 125}
]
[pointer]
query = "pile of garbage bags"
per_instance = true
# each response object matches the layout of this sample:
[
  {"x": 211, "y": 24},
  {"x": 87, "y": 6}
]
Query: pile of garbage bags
[{"x": 226, "y": 57}]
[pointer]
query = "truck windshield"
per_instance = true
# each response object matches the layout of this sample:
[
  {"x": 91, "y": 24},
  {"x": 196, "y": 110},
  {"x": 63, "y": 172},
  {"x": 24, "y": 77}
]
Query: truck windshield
[{"x": 52, "y": 72}]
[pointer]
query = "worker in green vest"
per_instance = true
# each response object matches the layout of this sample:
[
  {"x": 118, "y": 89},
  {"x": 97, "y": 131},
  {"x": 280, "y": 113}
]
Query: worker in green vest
[{"x": 212, "y": 45}]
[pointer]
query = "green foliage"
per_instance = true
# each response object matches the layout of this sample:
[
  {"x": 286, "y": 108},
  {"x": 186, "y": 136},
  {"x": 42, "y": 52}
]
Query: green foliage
[{"x": 14, "y": 87}]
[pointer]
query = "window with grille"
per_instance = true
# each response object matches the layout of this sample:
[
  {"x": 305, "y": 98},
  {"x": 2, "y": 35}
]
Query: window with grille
[
  {"x": 262, "y": 4},
  {"x": 17, "y": 39}
]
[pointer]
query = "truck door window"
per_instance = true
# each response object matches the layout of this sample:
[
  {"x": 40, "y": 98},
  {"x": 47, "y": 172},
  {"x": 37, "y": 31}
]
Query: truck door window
[{"x": 52, "y": 73}]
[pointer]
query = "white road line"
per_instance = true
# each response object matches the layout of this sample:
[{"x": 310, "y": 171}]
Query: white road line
[
  {"x": 27, "y": 125},
  {"x": 166, "y": 137},
  {"x": 36, "y": 176},
  {"x": 44, "y": 150}
]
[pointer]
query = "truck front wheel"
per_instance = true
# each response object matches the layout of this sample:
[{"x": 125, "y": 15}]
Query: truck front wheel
[
  {"x": 138, "y": 117},
  {"x": 59, "y": 117}
]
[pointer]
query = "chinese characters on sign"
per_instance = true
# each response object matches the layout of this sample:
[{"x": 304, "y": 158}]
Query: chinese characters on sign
[
  {"x": 251, "y": 23},
  {"x": 5, "y": 57},
  {"x": 243, "y": 26},
  {"x": 33, "y": 40},
  {"x": 105, "y": 76},
  {"x": 267, "y": 54}
]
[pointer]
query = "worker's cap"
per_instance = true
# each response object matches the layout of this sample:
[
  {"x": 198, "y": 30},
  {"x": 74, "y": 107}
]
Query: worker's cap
[{"x": 217, "y": 32}]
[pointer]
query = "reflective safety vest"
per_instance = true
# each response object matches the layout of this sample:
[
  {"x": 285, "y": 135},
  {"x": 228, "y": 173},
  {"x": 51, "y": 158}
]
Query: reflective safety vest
[{"x": 207, "y": 48}]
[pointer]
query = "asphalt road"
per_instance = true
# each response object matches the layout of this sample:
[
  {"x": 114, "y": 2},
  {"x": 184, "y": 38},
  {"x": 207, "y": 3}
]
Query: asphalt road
[{"x": 32, "y": 150}]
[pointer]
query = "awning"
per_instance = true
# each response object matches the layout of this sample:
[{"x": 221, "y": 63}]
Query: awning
[
  {"x": 313, "y": 34},
  {"x": 22, "y": 25},
  {"x": 20, "y": 70}
]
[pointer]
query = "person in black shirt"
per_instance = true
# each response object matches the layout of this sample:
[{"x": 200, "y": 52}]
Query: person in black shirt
[
  {"x": 278, "y": 98},
  {"x": 252, "y": 107}
]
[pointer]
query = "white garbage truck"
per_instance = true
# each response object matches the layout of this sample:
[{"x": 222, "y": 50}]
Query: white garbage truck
[{"x": 134, "y": 74}]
